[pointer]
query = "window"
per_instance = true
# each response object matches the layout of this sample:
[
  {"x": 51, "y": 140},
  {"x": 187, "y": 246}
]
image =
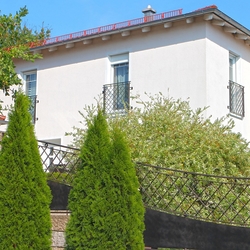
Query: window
[
  {"x": 121, "y": 87},
  {"x": 236, "y": 91},
  {"x": 232, "y": 67},
  {"x": 30, "y": 89},
  {"x": 117, "y": 94}
]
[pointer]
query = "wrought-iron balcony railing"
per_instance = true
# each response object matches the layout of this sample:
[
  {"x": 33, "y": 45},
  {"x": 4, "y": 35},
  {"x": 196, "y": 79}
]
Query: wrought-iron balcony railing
[
  {"x": 116, "y": 97},
  {"x": 236, "y": 99},
  {"x": 32, "y": 110}
]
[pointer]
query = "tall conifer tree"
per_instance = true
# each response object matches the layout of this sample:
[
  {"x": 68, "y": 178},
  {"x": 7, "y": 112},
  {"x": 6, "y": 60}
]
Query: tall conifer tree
[
  {"x": 24, "y": 194},
  {"x": 106, "y": 206}
]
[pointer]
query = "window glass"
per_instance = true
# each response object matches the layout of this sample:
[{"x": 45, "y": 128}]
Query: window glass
[
  {"x": 120, "y": 72},
  {"x": 31, "y": 84},
  {"x": 31, "y": 91},
  {"x": 232, "y": 68}
]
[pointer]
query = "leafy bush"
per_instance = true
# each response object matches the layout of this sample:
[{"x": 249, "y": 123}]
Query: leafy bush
[{"x": 168, "y": 133}]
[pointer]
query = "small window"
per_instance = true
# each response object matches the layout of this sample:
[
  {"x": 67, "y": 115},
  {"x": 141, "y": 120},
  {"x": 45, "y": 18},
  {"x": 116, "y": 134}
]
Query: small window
[
  {"x": 30, "y": 79},
  {"x": 232, "y": 67}
]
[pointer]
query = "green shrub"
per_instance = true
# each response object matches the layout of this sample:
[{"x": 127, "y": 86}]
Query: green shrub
[
  {"x": 168, "y": 133},
  {"x": 106, "y": 206},
  {"x": 165, "y": 132},
  {"x": 24, "y": 194}
]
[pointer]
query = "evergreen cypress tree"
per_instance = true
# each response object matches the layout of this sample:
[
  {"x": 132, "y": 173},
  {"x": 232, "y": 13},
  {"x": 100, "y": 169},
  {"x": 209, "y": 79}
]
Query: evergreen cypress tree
[
  {"x": 128, "y": 200},
  {"x": 106, "y": 206},
  {"x": 24, "y": 194}
]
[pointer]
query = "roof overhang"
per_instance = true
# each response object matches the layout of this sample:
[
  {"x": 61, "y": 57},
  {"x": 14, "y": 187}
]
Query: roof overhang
[{"x": 213, "y": 15}]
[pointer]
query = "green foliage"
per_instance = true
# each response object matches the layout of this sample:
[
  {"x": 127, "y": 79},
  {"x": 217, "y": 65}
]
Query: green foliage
[
  {"x": 65, "y": 178},
  {"x": 15, "y": 42},
  {"x": 168, "y": 133},
  {"x": 24, "y": 194},
  {"x": 106, "y": 206}
]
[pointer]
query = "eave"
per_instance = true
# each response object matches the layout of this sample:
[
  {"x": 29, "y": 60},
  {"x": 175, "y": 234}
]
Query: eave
[{"x": 213, "y": 15}]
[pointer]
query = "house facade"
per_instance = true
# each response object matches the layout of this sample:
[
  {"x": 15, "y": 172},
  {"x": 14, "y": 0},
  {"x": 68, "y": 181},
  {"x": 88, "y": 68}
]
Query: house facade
[{"x": 203, "y": 56}]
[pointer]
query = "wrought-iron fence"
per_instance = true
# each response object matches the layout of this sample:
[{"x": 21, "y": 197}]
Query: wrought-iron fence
[
  {"x": 59, "y": 162},
  {"x": 206, "y": 197}
]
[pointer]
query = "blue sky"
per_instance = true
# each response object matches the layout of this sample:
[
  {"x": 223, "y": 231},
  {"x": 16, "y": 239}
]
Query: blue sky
[{"x": 68, "y": 16}]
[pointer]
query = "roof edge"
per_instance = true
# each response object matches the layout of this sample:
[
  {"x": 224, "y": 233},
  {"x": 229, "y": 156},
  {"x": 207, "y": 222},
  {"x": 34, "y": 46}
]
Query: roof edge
[{"x": 150, "y": 22}]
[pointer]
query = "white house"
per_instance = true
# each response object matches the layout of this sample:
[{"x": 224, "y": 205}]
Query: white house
[{"x": 203, "y": 55}]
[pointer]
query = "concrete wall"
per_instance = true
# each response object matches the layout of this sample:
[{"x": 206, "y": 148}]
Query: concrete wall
[{"x": 219, "y": 44}]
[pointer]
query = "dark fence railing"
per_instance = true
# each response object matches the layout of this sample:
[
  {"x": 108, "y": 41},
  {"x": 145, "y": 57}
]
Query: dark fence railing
[
  {"x": 59, "y": 162},
  {"x": 205, "y": 197},
  {"x": 116, "y": 97}
]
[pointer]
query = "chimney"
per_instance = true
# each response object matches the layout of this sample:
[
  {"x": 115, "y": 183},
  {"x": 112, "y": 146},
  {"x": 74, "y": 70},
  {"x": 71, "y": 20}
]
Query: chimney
[{"x": 149, "y": 11}]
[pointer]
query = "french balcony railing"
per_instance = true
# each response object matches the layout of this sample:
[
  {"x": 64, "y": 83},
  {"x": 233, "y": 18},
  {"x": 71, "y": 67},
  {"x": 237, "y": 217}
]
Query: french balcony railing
[
  {"x": 116, "y": 98},
  {"x": 32, "y": 110},
  {"x": 236, "y": 99}
]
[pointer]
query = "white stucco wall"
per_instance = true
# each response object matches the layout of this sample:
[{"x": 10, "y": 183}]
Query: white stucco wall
[
  {"x": 218, "y": 46},
  {"x": 185, "y": 61}
]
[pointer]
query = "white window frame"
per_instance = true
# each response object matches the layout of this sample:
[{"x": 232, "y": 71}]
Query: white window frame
[
  {"x": 33, "y": 97},
  {"x": 24, "y": 76},
  {"x": 117, "y": 59},
  {"x": 232, "y": 67}
]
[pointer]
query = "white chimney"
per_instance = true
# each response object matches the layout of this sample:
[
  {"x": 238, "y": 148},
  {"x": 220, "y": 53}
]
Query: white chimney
[{"x": 149, "y": 11}]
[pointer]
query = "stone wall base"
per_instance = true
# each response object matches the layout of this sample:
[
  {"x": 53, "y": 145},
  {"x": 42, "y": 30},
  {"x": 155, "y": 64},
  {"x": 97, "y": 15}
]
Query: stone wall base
[{"x": 59, "y": 220}]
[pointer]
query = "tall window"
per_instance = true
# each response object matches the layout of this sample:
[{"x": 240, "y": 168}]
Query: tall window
[
  {"x": 232, "y": 68},
  {"x": 121, "y": 87},
  {"x": 117, "y": 93},
  {"x": 236, "y": 91},
  {"x": 31, "y": 85}
]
